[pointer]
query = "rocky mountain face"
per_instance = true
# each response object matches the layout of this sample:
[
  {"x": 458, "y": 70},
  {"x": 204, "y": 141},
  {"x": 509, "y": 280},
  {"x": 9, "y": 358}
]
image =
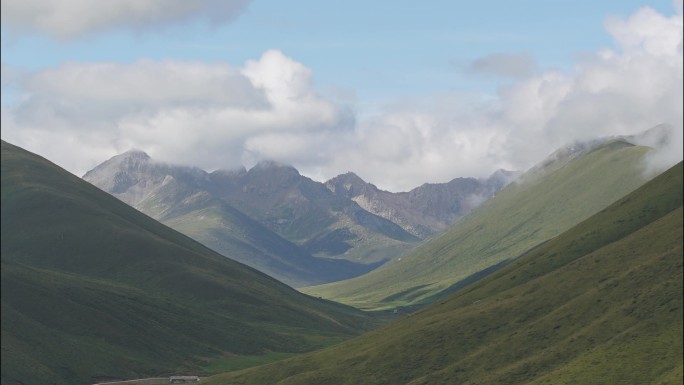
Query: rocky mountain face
[
  {"x": 182, "y": 198},
  {"x": 427, "y": 209},
  {"x": 133, "y": 177},
  {"x": 309, "y": 214}
]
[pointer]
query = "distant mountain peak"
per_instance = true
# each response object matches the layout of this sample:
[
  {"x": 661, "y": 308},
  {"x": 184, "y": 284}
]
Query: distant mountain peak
[
  {"x": 571, "y": 151},
  {"x": 348, "y": 184},
  {"x": 268, "y": 164},
  {"x": 135, "y": 153},
  {"x": 348, "y": 177},
  {"x": 502, "y": 177},
  {"x": 131, "y": 159},
  {"x": 230, "y": 172},
  {"x": 654, "y": 137},
  {"x": 350, "y": 174}
]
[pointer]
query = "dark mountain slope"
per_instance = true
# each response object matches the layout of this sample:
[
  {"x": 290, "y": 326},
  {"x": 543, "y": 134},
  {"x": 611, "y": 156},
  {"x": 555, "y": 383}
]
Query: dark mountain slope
[
  {"x": 92, "y": 288},
  {"x": 599, "y": 304}
]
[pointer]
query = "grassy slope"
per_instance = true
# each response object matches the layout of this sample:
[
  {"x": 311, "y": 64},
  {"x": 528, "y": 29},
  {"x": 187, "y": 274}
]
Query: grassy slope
[
  {"x": 600, "y": 304},
  {"x": 520, "y": 217},
  {"x": 233, "y": 234},
  {"x": 93, "y": 288}
]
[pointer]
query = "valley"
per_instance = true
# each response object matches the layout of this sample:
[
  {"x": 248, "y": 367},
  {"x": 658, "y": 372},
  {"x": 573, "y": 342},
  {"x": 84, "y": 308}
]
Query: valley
[
  {"x": 120, "y": 287},
  {"x": 600, "y": 303},
  {"x": 297, "y": 230},
  {"x": 250, "y": 192}
]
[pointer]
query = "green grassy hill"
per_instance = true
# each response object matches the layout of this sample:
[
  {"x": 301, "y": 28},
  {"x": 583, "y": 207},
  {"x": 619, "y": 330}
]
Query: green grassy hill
[
  {"x": 561, "y": 192},
  {"x": 93, "y": 289},
  {"x": 228, "y": 231},
  {"x": 601, "y": 303}
]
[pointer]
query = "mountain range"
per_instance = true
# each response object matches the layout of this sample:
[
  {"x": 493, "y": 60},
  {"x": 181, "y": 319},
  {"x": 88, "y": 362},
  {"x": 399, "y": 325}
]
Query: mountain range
[
  {"x": 427, "y": 209},
  {"x": 297, "y": 230},
  {"x": 178, "y": 197}
]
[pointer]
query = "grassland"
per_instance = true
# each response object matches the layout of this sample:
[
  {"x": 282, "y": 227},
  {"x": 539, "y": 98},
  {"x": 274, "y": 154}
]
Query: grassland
[
  {"x": 548, "y": 201},
  {"x": 92, "y": 288},
  {"x": 602, "y": 303}
]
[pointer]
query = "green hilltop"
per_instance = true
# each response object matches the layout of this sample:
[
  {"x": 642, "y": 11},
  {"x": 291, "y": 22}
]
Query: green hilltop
[
  {"x": 602, "y": 303},
  {"x": 567, "y": 188},
  {"x": 92, "y": 290}
]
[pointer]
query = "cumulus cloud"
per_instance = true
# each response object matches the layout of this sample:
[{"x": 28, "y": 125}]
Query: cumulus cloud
[
  {"x": 66, "y": 19},
  {"x": 221, "y": 116},
  {"x": 508, "y": 65},
  {"x": 209, "y": 115},
  {"x": 620, "y": 91}
]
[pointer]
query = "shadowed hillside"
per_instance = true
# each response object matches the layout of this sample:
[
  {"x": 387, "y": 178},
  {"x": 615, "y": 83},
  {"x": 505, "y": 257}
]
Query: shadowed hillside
[{"x": 92, "y": 289}]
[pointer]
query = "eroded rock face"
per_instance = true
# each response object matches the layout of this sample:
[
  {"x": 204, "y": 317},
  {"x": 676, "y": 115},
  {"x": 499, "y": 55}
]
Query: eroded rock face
[
  {"x": 424, "y": 210},
  {"x": 201, "y": 205},
  {"x": 133, "y": 176}
]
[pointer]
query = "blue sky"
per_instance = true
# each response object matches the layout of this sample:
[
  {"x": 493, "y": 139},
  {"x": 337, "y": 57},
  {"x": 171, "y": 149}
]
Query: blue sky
[
  {"x": 416, "y": 73},
  {"x": 379, "y": 49}
]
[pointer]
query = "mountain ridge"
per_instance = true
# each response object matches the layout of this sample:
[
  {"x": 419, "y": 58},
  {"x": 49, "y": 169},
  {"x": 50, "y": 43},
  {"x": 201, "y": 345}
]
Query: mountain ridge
[
  {"x": 427, "y": 209},
  {"x": 341, "y": 234},
  {"x": 178, "y": 196}
]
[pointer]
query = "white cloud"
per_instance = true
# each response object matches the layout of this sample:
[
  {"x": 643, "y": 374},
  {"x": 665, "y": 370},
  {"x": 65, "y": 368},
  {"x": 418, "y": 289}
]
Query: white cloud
[
  {"x": 209, "y": 115},
  {"x": 648, "y": 32},
  {"x": 66, "y": 19},
  {"x": 620, "y": 91},
  {"x": 220, "y": 116}
]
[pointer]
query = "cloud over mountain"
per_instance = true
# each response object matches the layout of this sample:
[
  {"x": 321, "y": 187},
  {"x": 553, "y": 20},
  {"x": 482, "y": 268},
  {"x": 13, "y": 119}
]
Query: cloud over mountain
[
  {"x": 210, "y": 114},
  {"x": 219, "y": 115}
]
